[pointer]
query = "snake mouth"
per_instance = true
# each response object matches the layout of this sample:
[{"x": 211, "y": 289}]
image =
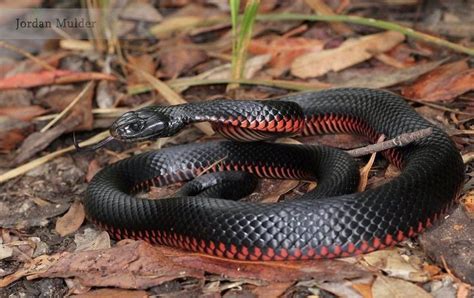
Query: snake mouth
[
  {"x": 117, "y": 136},
  {"x": 92, "y": 147}
]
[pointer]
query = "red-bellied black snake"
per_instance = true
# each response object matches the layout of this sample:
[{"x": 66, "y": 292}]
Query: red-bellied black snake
[{"x": 330, "y": 221}]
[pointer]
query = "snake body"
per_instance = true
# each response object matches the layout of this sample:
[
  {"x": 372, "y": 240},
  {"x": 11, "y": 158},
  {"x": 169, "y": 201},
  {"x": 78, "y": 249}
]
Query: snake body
[{"x": 330, "y": 221}]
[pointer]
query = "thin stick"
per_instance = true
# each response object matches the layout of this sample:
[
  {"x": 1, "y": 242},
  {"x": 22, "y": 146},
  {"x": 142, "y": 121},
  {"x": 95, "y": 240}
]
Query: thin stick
[
  {"x": 440, "y": 107},
  {"x": 399, "y": 141},
  {"x": 368, "y": 22},
  {"x": 68, "y": 108},
  {"x": 188, "y": 82},
  {"x": 38, "y": 61},
  {"x": 50, "y": 156}
]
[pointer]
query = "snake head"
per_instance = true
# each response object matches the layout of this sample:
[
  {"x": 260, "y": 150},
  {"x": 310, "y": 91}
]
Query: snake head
[{"x": 144, "y": 124}]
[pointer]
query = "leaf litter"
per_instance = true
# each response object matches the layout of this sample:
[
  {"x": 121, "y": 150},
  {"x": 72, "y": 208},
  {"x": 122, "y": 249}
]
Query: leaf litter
[{"x": 46, "y": 238}]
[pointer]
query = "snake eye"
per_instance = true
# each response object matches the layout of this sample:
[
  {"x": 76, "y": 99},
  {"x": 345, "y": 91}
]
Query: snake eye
[{"x": 135, "y": 126}]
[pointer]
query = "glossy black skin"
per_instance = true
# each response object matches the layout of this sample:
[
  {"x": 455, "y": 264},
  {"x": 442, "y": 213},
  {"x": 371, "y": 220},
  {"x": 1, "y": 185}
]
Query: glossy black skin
[
  {"x": 330, "y": 217},
  {"x": 157, "y": 121},
  {"x": 224, "y": 185}
]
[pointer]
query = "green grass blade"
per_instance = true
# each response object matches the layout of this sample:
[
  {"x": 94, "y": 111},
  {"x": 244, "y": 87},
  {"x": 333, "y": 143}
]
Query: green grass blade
[
  {"x": 368, "y": 22},
  {"x": 234, "y": 13},
  {"x": 244, "y": 36}
]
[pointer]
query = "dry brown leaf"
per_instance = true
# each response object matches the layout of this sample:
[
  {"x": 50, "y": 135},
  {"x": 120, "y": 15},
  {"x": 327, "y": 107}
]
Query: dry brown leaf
[
  {"x": 350, "y": 52},
  {"x": 5, "y": 251},
  {"x": 144, "y": 63},
  {"x": 79, "y": 118},
  {"x": 391, "y": 172},
  {"x": 444, "y": 83},
  {"x": 345, "y": 288},
  {"x": 59, "y": 99},
  {"x": 36, "y": 265},
  {"x": 72, "y": 220},
  {"x": 431, "y": 114},
  {"x": 278, "y": 189},
  {"x": 179, "y": 60},
  {"x": 16, "y": 98},
  {"x": 284, "y": 50},
  {"x": 30, "y": 66},
  {"x": 342, "y": 141},
  {"x": 13, "y": 132},
  {"x": 431, "y": 270},
  {"x": 91, "y": 239},
  {"x": 37, "y": 141},
  {"x": 386, "y": 287},
  {"x": 107, "y": 95},
  {"x": 374, "y": 78},
  {"x": 394, "y": 265},
  {"x": 141, "y": 11},
  {"x": 92, "y": 169},
  {"x": 364, "y": 289},
  {"x": 468, "y": 202},
  {"x": 23, "y": 113},
  {"x": 364, "y": 172},
  {"x": 468, "y": 157},
  {"x": 75, "y": 286},
  {"x": 464, "y": 290},
  {"x": 322, "y": 8},
  {"x": 275, "y": 289}
]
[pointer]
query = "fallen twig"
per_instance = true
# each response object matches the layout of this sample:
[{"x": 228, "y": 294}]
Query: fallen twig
[
  {"x": 399, "y": 141},
  {"x": 48, "y": 157},
  {"x": 38, "y": 61},
  {"x": 68, "y": 108}
]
